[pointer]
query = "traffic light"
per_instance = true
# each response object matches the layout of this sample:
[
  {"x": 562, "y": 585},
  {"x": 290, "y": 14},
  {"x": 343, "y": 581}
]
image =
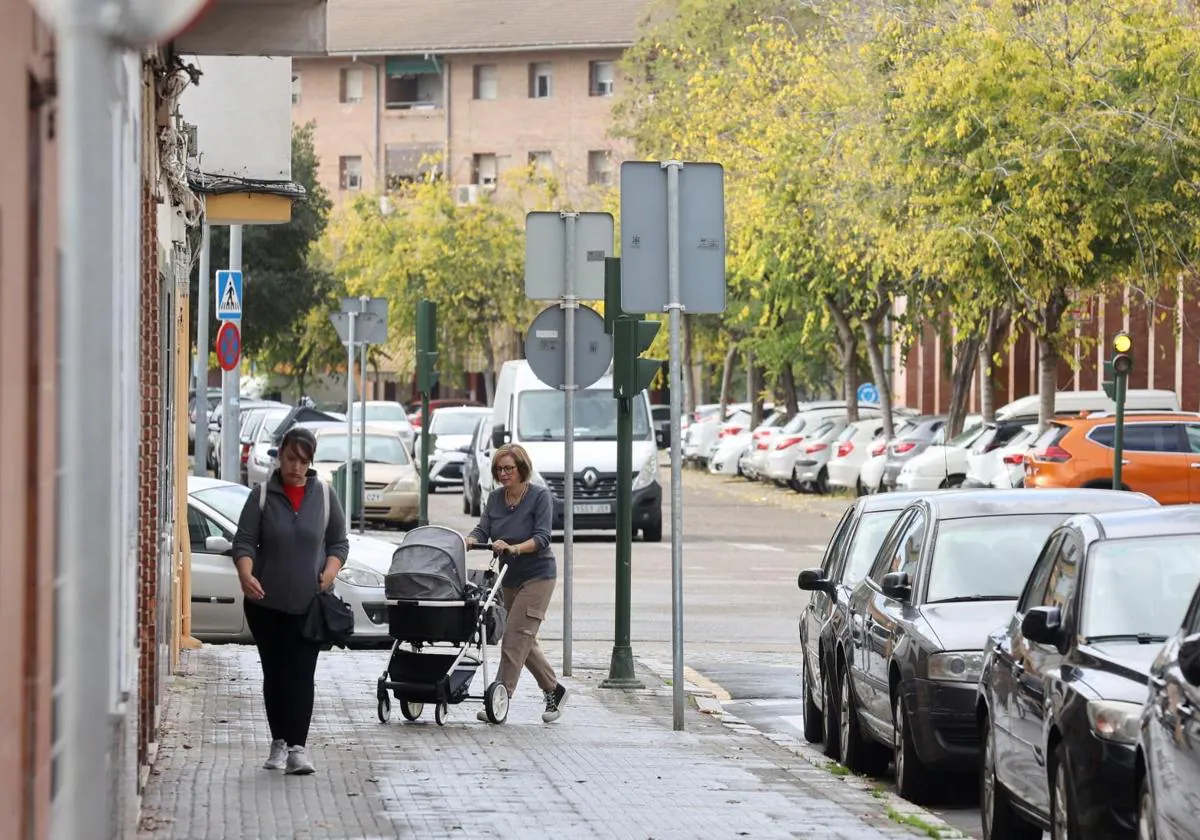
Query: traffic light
[
  {"x": 632, "y": 374},
  {"x": 1122, "y": 360},
  {"x": 426, "y": 346}
]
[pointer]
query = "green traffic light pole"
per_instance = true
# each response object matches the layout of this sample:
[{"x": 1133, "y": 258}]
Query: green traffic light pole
[
  {"x": 426, "y": 377},
  {"x": 1119, "y": 431},
  {"x": 621, "y": 672},
  {"x": 1119, "y": 367}
]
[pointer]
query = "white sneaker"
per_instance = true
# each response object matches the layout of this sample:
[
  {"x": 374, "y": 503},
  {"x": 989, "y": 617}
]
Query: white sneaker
[
  {"x": 298, "y": 762},
  {"x": 278, "y": 757}
]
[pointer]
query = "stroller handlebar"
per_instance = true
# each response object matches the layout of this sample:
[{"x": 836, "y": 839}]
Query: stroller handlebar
[{"x": 487, "y": 547}]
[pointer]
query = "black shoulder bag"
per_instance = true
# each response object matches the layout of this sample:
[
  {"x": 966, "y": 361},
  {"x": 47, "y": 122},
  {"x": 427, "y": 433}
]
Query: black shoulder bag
[{"x": 329, "y": 620}]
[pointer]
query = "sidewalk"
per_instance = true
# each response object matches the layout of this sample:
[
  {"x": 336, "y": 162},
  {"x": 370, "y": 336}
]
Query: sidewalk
[{"x": 612, "y": 767}]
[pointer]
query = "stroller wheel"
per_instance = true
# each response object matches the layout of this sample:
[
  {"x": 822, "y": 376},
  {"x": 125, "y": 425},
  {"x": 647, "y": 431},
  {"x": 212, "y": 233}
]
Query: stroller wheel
[
  {"x": 440, "y": 713},
  {"x": 384, "y": 710},
  {"x": 411, "y": 710},
  {"x": 495, "y": 702}
]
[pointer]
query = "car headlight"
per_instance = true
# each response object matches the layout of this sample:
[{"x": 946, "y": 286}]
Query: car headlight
[
  {"x": 648, "y": 474},
  {"x": 956, "y": 666},
  {"x": 1114, "y": 720},
  {"x": 357, "y": 576},
  {"x": 401, "y": 485}
]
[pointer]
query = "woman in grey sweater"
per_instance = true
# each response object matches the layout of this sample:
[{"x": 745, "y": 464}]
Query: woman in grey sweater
[
  {"x": 291, "y": 542},
  {"x": 516, "y": 520}
]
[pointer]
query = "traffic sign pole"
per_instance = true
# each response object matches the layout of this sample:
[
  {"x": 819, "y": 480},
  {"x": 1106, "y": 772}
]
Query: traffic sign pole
[
  {"x": 569, "y": 305},
  {"x": 231, "y": 383},
  {"x": 349, "y": 485},
  {"x": 674, "y": 308},
  {"x": 200, "y": 452},
  {"x": 362, "y": 428}
]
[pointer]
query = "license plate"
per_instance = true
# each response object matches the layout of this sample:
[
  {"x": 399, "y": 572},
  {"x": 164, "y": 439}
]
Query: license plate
[
  {"x": 585, "y": 510},
  {"x": 374, "y": 497}
]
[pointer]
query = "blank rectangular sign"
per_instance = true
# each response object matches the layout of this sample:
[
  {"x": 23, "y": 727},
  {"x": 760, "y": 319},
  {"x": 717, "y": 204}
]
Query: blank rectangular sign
[
  {"x": 644, "y": 237},
  {"x": 546, "y": 254}
]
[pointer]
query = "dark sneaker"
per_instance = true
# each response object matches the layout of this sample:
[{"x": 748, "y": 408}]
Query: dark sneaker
[{"x": 554, "y": 703}]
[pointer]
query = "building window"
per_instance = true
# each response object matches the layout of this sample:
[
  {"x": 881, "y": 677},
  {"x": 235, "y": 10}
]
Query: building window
[
  {"x": 486, "y": 86},
  {"x": 295, "y": 88},
  {"x": 601, "y": 74},
  {"x": 483, "y": 170},
  {"x": 408, "y": 163},
  {"x": 600, "y": 168},
  {"x": 414, "y": 92},
  {"x": 541, "y": 80},
  {"x": 350, "y": 172},
  {"x": 541, "y": 160},
  {"x": 350, "y": 85}
]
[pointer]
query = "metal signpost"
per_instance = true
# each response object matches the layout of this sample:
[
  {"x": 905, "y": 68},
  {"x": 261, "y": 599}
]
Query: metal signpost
[
  {"x": 200, "y": 458},
  {"x": 564, "y": 261},
  {"x": 229, "y": 310},
  {"x": 672, "y": 228},
  {"x": 426, "y": 380},
  {"x": 362, "y": 321}
]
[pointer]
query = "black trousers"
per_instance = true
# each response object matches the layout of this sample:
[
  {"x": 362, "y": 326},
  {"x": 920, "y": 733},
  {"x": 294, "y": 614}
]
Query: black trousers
[{"x": 289, "y": 663}]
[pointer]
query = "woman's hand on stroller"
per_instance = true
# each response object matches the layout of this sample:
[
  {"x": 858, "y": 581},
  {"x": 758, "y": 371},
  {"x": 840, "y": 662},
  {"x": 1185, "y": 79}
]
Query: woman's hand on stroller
[{"x": 501, "y": 547}]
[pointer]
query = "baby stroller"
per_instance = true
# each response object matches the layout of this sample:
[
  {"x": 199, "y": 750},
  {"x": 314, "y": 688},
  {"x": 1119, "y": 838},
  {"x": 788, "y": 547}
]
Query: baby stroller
[{"x": 442, "y": 621}]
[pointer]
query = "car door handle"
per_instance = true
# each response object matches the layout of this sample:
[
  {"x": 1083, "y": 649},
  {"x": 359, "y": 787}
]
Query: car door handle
[{"x": 1196, "y": 465}]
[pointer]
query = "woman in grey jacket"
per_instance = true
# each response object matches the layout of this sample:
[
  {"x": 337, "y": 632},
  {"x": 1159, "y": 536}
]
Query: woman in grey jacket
[
  {"x": 517, "y": 520},
  {"x": 290, "y": 543}
]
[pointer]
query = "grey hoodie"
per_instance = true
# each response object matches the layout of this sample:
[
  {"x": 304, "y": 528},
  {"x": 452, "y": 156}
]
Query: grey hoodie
[{"x": 287, "y": 546}]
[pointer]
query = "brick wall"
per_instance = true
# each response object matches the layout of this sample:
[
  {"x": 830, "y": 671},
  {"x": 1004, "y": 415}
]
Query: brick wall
[{"x": 149, "y": 459}]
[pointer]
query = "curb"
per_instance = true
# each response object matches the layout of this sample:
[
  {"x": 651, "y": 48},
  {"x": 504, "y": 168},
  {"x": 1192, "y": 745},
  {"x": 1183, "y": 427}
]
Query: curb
[{"x": 707, "y": 698}]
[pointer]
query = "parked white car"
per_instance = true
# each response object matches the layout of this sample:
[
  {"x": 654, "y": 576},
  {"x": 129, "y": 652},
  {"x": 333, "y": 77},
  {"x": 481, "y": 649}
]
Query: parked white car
[
  {"x": 1003, "y": 466},
  {"x": 214, "y": 507},
  {"x": 451, "y": 430},
  {"x": 853, "y": 447},
  {"x": 809, "y": 467},
  {"x": 385, "y": 414},
  {"x": 727, "y": 456},
  {"x": 943, "y": 464}
]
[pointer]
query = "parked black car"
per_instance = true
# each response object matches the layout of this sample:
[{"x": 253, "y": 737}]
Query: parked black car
[
  {"x": 1168, "y": 751},
  {"x": 1063, "y": 684},
  {"x": 949, "y": 572},
  {"x": 848, "y": 558}
]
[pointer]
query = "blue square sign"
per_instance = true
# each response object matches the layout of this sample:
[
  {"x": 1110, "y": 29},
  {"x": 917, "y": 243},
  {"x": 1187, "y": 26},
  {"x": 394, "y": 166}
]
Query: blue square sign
[{"x": 229, "y": 295}]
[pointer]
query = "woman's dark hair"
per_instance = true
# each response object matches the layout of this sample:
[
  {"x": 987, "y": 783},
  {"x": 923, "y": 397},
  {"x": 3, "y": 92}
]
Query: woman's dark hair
[
  {"x": 304, "y": 442},
  {"x": 520, "y": 458}
]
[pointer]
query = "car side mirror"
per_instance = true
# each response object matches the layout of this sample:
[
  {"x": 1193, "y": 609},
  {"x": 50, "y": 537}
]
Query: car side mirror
[
  {"x": 660, "y": 438},
  {"x": 896, "y": 585},
  {"x": 466, "y": 447},
  {"x": 1189, "y": 659},
  {"x": 272, "y": 452},
  {"x": 499, "y": 436},
  {"x": 814, "y": 580},
  {"x": 1043, "y": 625},
  {"x": 217, "y": 545}
]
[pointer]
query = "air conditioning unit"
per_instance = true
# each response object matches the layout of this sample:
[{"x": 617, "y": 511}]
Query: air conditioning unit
[
  {"x": 353, "y": 181},
  {"x": 604, "y": 88},
  {"x": 466, "y": 194}
]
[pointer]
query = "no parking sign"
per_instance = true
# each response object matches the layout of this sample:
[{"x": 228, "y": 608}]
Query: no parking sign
[{"x": 229, "y": 345}]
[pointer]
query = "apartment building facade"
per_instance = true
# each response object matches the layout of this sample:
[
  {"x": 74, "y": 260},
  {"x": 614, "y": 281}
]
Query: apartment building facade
[{"x": 476, "y": 88}]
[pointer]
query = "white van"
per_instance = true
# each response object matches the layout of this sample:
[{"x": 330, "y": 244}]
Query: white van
[
  {"x": 529, "y": 412},
  {"x": 1074, "y": 402}
]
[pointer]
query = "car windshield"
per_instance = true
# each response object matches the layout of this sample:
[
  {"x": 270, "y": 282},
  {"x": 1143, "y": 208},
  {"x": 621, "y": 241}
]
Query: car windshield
[
  {"x": 1139, "y": 588},
  {"x": 226, "y": 499},
  {"x": 381, "y": 449},
  {"x": 872, "y": 528},
  {"x": 987, "y": 557},
  {"x": 454, "y": 422},
  {"x": 540, "y": 416},
  {"x": 384, "y": 412}
]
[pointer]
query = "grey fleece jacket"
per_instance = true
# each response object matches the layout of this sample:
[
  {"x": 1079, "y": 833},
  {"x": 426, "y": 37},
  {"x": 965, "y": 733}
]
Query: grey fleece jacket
[{"x": 286, "y": 546}]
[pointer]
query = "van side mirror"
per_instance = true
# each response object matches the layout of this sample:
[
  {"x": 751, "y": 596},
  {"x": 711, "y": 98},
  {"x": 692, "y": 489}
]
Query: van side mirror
[
  {"x": 1043, "y": 625},
  {"x": 897, "y": 585},
  {"x": 499, "y": 435},
  {"x": 218, "y": 545}
]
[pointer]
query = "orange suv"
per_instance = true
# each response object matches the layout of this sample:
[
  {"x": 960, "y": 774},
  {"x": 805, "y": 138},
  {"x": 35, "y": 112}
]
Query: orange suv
[{"x": 1161, "y": 455}]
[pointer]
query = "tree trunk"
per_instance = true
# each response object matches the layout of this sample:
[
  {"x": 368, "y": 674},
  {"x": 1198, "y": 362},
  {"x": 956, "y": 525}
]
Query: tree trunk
[
  {"x": 878, "y": 370},
  {"x": 727, "y": 379},
  {"x": 966, "y": 355},
  {"x": 849, "y": 341},
  {"x": 998, "y": 322},
  {"x": 787, "y": 383},
  {"x": 755, "y": 392},
  {"x": 489, "y": 372},
  {"x": 689, "y": 370},
  {"x": 1048, "y": 328}
]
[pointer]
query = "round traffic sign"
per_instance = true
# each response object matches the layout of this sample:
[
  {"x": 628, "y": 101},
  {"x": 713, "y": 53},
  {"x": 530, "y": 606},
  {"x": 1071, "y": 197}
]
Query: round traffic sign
[
  {"x": 868, "y": 393},
  {"x": 229, "y": 345},
  {"x": 546, "y": 348}
]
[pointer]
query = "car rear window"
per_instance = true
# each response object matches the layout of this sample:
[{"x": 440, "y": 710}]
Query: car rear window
[{"x": 1051, "y": 436}]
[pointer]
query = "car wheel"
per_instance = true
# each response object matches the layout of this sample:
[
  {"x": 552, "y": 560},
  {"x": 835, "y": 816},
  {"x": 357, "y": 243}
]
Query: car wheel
[
  {"x": 476, "y": 503},
  {"x": 858, "y": 753},
  {"x": 833, "y": 743},
  {"x": 913, "y": 779},
  {"x": 814, "y": 729},
  {"x": 652, "y": 533},
  {"x": 1147, "y": 829},
  {"x": 1064, "y": 823},
  {"x": 860, "y": 488},
  {"x": 466, "y": 503},
  {"x": 1000, "y": 821},
  {"x": 794, "y": 482},
  {"x": 822, "y": 485}
]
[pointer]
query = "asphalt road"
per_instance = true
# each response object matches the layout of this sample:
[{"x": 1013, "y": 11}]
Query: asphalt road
[{"x": 743, "y": 546}]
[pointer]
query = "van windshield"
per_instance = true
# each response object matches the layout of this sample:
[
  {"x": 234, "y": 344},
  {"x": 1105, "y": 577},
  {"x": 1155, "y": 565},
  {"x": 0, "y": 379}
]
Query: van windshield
[{"x": 540, "y": 416}]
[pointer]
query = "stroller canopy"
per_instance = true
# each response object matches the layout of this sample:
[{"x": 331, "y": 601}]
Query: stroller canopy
[{"x": 430, "y": 564}]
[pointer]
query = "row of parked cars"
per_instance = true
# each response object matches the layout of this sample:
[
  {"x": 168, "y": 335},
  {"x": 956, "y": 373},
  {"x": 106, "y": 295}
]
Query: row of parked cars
[
  {"x": 1048, "y": 640},
  {"x": 818, "y": 449}
]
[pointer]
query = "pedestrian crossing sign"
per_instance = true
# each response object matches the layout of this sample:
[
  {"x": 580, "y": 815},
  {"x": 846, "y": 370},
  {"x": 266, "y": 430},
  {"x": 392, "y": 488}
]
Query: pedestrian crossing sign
[{"x": 229, "y": 295}]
